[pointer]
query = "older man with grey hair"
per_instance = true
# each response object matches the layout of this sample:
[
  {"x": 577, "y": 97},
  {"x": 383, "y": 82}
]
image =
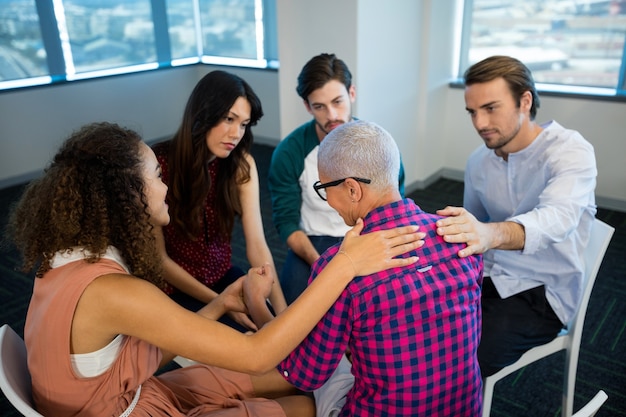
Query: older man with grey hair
[{"x": 412, "y": 332}]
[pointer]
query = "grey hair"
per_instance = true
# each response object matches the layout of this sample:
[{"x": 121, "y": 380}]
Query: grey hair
[{"x": 360, "y": 149}]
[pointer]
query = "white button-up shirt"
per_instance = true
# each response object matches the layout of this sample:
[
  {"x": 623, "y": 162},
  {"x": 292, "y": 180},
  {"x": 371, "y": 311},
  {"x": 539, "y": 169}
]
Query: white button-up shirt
[{"x": 548, "y": 187}]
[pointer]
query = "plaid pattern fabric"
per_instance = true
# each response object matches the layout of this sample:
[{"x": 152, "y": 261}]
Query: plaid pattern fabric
[{"x": 413, "y": 332}]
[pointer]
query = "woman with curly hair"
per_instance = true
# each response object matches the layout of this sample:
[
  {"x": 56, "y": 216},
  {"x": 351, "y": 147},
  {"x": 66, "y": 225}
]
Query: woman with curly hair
[
  {"x": 98, "y": 327},
  {"x": 212, "y": 178}
]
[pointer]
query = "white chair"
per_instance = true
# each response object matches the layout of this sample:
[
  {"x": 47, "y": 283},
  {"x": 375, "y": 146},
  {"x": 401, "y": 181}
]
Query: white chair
[
  {"x": 14, "y": 375},
  {"x": 592, "y": 406},
  {"x": 568, "y": 339},
  {"x": 184, "y": 362}
]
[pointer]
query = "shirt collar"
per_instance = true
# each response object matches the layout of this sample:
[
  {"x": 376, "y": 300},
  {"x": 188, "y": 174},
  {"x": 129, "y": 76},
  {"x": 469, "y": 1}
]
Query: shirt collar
[{"x": 77, "y": 253}]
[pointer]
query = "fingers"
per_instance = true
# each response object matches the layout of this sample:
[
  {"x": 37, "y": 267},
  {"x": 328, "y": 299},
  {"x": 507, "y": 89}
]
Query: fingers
[
  {"x": 401, "y": 262},
  {"x": 450, "y": 211},
  {"x": 400, "y": 231},
  {"x": 455, "y": 236},
  {"x": 452, "y": 221},
  {"x": 400, "y": 249},
  {"x": 357, "y": 228},
  {"x": 408, "y": 234},
  {"x": 245, "y": 321},
  {"x": 258, "y": 270}
]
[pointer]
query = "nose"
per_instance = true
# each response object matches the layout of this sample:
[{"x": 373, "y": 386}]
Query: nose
[
  {"x": 480, "y": 120},
  {"x": 236, "y": 131},
  {"x": 332, "y": 113}
]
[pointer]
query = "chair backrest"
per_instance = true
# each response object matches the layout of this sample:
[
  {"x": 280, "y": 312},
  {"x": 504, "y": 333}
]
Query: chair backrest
[
  {"x": 592, "y": 407},
  {"x": 14, "y": 375},
  {"x": 593, "y": 255}
]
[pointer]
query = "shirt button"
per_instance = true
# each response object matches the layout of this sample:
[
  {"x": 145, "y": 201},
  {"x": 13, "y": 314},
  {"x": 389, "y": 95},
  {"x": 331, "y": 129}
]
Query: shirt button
[{"x": 285, "y": 374}]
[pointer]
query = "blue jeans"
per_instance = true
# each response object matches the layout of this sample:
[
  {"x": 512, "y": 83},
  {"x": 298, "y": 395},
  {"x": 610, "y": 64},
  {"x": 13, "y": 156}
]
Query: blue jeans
[{"x": 295, "y": 274}]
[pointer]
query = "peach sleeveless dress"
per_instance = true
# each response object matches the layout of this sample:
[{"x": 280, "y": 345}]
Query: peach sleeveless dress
[{"x": 58, "y": 391}]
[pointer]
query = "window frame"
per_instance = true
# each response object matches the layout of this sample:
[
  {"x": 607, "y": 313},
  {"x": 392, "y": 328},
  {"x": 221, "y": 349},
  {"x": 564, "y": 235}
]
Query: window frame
[
  {"x": 617, "y": 94},
  {"x": 58, "y": 71}
]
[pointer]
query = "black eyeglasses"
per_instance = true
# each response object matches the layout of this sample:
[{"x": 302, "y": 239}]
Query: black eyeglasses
[{"x": 320, "y": 188}]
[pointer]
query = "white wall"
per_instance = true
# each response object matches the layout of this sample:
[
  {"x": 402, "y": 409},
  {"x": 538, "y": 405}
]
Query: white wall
[
  {"x": 33, "y": 122},
  {"x": 602, "y": 123},
  {"x": 400, "y": 53},
  {"x": 400, "y": 81},
  {"x": 306, "y": 29}
]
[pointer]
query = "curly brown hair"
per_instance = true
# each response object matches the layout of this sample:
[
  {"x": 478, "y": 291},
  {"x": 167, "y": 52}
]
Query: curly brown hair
[{"x": 90, "y": 196}]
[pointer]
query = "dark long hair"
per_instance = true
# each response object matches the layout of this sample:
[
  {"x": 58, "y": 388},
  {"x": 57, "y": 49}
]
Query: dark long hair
[
  {"x": 189, "y": 181},
  {"x": 92, "y": 196}
]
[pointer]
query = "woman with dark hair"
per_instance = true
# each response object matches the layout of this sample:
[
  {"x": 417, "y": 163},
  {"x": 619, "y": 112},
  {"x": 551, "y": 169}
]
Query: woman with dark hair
[
  {"x": 212, "y": 178},
  {"x": 98, "y": 327}
]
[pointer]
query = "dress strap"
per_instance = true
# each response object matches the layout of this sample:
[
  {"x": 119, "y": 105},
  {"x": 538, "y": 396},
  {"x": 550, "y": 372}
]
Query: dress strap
[{"x": 132, "y": 405}]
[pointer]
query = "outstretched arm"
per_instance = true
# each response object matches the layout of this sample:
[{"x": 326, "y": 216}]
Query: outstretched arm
[
  {"x": 121, "y": 304},
  {"x": 179, "y": 278},
  {"x": 257, "y": 281},
  {"x": 257, "y": 251}
]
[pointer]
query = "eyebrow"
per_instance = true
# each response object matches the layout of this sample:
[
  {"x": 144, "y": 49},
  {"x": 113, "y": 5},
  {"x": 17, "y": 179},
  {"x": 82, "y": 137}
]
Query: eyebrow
[
  {"x": 333, "y": 99},
  {"x": 490, "y": 104},
  {"x": 236, "y": 116}
]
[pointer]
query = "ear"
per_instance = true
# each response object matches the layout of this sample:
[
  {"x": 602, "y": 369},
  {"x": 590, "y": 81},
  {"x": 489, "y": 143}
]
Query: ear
[
  {"x": 354, "y": 189},
  {"x": 352, "y": 93},
  {"x": 526, "y": 101},
  {"x": 307, "y": 106}
]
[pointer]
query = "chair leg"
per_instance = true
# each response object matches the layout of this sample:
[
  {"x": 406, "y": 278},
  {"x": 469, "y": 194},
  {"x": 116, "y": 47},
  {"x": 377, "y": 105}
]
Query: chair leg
[
  {"x": 569, "y": 379},
  {"x": 488, "y": 387}
]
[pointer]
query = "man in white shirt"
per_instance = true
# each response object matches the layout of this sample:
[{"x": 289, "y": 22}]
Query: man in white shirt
[
  {"x": 306, "y": 223},
  {"x": 528, "y": 206}
]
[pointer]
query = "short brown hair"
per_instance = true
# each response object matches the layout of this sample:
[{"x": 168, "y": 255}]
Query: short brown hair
[
  {"x": 517, "y": 76},
  {"x": 319, "y": 70}
]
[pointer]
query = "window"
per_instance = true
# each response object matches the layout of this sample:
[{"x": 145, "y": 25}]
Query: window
[
  {"x": 42, "y": 41},
  {"x": 105, "y": 35},
  {"x": 570, "y": 45},
  {"x": 21, "y": 52}
]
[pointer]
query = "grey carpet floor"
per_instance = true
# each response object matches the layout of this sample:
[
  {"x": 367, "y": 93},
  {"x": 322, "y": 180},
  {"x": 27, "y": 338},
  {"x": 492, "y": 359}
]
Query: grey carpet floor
[{"x": 534, "y": 391}]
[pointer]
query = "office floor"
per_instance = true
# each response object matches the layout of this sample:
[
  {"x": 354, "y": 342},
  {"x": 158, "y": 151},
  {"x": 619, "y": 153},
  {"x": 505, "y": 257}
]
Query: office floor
[{"x": 534, "y": 391}]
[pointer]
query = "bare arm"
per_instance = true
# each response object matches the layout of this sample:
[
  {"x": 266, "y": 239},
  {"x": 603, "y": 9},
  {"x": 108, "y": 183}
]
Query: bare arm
[
  {"x": 257, "y": 251},
  {"x": 256, "y": 287},
  {"x": 300, "y": 243},
  {"x": 121, "y": 304},
  {"x": 179, "y": 278},
  {"x": 460, "y": 226}
]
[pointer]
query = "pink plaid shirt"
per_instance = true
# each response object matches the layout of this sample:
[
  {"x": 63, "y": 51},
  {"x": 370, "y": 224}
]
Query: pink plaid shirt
[{"x": 413, "y": 332}]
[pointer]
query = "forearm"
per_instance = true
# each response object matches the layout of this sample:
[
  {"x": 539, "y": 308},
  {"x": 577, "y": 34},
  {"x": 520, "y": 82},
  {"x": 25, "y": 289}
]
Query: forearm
[
  {"x": 213, "y": 310},
  {"x": 259, "y": 254},
  {"x": 300, "y": 243},
  {"x": 277, "y": 298},
  {"x": 292, "y": 326},
  {"x": 176, "y": 276},
  {"x": 506, "y": 235},
  {"x": 258, "y": 309}
]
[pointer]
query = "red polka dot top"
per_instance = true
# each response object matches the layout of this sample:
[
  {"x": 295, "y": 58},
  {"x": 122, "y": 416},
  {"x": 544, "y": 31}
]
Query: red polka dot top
[{"x": 207, "y": 258}]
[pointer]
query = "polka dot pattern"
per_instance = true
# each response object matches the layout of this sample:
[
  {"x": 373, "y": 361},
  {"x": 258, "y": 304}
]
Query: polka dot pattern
[{"x": 207, "y": 257}]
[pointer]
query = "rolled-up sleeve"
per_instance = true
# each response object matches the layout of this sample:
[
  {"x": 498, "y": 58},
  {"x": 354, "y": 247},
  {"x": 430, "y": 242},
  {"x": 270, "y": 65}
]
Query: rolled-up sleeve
[{"x": 569, "y": 189}]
